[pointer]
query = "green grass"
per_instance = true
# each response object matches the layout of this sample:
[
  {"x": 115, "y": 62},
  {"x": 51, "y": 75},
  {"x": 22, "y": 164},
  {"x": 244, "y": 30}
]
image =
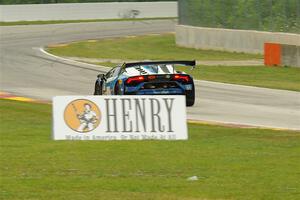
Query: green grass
[
  {"x": 155, "y": 47},
  {"x": 231, "y": 163},
  {"x": 77, "y": 21}
]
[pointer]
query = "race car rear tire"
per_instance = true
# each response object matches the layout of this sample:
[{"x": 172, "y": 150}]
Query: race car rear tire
[
  {"x": 190, "y": 97},
  {"x": 117, "y": 89},
  {"x": 98, "y": 89},
  {"x": 190, "y": 102}
]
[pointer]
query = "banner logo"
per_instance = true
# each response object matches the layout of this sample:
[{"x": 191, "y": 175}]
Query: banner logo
[
  {"x": 82, "y": 115},
  {"x": 120, "y": 117}
]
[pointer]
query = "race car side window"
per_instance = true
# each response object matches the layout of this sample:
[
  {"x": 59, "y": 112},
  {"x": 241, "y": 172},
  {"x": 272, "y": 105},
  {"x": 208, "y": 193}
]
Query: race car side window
[
  {"x": 110, "y": 73},
  {"x": 117, "y": 71}
]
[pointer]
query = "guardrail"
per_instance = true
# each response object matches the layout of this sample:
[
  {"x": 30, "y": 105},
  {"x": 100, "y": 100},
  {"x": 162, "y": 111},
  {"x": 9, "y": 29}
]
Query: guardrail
[{"x": 281, "y": 55}]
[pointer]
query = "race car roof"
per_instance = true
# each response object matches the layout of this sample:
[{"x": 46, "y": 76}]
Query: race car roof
[{"x": 180, "y": 62}]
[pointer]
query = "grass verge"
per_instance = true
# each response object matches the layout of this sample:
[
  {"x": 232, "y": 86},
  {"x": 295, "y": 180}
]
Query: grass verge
[
  {"x": 231, "y": 163},
  {"x": 78, "y": 21},
  {"x": 150, "y": 47}
]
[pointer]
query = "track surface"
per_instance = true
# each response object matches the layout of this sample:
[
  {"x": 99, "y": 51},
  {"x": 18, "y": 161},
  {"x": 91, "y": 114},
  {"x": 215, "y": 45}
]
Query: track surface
[{"x": 26, "y": 71}]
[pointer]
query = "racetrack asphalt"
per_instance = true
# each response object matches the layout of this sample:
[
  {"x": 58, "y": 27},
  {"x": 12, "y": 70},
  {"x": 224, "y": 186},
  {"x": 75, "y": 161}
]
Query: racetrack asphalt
[{"x": 26, "y": 71}]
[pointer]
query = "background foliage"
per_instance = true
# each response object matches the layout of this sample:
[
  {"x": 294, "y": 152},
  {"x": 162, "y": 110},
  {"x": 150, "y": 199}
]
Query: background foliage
[{"x": 265, "y": 15}]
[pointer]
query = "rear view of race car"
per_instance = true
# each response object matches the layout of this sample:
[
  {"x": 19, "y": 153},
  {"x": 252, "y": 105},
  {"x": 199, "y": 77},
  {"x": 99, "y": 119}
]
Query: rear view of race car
[{"x": 148, "y": 78}]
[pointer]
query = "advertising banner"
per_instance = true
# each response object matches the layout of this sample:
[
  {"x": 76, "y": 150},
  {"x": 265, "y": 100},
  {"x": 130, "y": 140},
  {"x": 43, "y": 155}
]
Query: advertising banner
[{"x": 144, "y": 117}]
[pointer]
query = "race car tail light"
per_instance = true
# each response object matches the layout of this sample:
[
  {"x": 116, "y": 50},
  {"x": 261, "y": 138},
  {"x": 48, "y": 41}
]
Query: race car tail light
[
  {"x": 181, "y": 78},
  {"x": 152, "y": 77},
  {"x": 135, "y": 80}
]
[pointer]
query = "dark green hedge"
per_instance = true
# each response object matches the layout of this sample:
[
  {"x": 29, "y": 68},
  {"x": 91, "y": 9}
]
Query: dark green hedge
[{"x": 266, "y": 15}]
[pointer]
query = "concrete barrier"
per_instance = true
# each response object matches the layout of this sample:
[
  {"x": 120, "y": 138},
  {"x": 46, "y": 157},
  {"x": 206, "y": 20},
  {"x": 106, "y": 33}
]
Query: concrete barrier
[
  {"x": 231, "y": 40},
  {"x": 281, "y": 55},
  {"x": 81, "y": 11},
  {"x": 290, "y": 55}
]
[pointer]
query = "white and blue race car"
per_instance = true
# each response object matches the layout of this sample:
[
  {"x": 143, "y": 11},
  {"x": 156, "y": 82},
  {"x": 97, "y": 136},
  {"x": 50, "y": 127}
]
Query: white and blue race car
[{"x": 148, "y": 78}]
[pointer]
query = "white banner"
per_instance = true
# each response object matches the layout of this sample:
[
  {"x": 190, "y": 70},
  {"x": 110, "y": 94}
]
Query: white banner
[{"x": 144, "y": 117}]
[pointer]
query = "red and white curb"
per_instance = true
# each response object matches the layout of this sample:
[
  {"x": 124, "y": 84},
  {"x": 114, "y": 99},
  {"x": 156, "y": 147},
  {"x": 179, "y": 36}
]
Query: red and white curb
[{"x": 9, "y": 96}]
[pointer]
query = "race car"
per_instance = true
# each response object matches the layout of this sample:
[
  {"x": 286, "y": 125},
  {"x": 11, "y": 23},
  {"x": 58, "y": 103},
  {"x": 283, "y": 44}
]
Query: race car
[{"x": 148, "y": 78}]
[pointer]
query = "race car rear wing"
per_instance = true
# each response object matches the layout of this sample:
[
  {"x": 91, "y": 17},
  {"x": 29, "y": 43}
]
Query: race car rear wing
[{"x": 181, "y": 62}]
